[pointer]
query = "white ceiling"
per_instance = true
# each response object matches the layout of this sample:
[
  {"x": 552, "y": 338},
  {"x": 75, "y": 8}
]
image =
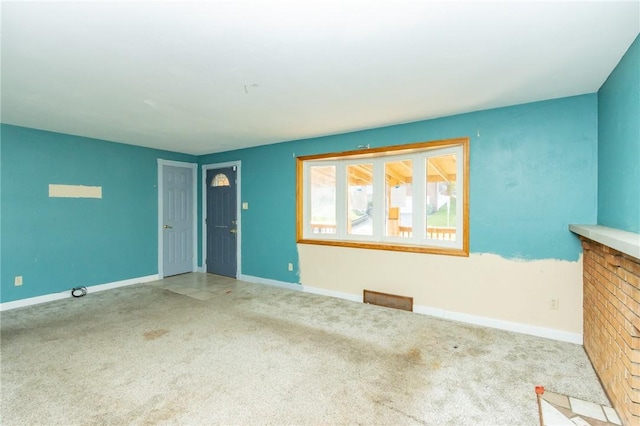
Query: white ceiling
[{"x": 203, "y": 77}]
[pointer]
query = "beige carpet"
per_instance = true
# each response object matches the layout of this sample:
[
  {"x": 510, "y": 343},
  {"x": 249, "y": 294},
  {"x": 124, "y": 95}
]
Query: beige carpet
[{"x": 228, "y": 352}]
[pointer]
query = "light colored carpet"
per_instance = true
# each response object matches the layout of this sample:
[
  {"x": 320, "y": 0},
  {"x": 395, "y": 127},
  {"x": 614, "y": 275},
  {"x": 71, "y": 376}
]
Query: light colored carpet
[{"x": 255, "y": 354}]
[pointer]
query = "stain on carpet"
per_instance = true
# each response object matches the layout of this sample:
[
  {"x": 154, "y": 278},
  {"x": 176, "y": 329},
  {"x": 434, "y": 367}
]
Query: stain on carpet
[
  {"x": 155, "y": 334},
  {"x": 414, "y": 355},
  {"x": 164, "y": 414}
]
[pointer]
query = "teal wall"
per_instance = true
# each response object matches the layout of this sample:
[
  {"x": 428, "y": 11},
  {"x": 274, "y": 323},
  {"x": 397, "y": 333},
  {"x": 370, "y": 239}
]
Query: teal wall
[
  {"x": 533, "y": 172},
  {"x": 59, "y": 243},
  {"x": 619, "y": 145}
]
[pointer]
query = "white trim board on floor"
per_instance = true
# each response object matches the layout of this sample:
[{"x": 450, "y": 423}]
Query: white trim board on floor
[
  {"x": 549, "y": 333},
  {"x": 300, "y": 287},
  {"x": 66, "y": 294},
  {"x": 267, "y": 281}
]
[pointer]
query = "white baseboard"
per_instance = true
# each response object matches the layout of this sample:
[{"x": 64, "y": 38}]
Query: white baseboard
[
  {"x": 549, "y": 333},
  {"x": 298, "y": 287},
  {"x": 332, "y": 293},
  {"x": 33, "y": 301},
  {"x": 267, "y": 281},
  {"x": 65, "y": 294}
]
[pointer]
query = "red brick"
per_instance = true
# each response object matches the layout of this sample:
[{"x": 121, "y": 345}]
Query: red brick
[
  {"x": 632, "y": 279},
  {"x": 631, "y": 264},
  {"x": 613, "y": 260},
  {"x": 634, "y": 381},
  {"x": 611, "y": 300},
  {"x": 630, "y": 291},
  {"x": 621, "y": 273}
]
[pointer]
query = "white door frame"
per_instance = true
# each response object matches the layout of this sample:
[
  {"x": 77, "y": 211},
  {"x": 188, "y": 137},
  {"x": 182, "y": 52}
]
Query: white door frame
[
  {"x": 206, "y": 167},
  {"x": 194, "y": 232}
]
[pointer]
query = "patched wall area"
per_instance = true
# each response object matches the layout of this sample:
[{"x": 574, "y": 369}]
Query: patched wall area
[{"x": 483, "y": 288}]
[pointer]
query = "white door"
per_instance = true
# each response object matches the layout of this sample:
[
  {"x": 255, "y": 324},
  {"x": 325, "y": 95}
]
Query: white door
[{"x": 177, "y": 218}]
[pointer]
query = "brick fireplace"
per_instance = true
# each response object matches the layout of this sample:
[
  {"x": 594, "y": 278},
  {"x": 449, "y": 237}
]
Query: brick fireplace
[{"x": 612, "y": 319}]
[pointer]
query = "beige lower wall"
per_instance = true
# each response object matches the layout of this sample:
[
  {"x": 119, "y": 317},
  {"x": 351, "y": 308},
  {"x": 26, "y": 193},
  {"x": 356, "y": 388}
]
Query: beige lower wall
[{"x": 483, "y": 285}]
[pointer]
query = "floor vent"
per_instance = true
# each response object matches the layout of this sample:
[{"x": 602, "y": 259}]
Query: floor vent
[{"x": 389, "y": 300}]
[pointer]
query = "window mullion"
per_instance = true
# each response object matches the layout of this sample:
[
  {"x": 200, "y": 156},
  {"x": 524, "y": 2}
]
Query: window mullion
[
  {"x": 419, "y": 202},
  {"x": 341, "y": 200},
  {"x": 379, "y": 200}
]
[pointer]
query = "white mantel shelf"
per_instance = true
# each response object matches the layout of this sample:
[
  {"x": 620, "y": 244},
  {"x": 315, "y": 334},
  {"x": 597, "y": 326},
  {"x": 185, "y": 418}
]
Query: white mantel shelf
[{"x": 623, "y": 241}]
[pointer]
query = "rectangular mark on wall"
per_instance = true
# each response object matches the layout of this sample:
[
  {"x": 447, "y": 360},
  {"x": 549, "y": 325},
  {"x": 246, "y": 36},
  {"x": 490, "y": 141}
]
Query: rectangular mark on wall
[{"x": 74, "y": 191}]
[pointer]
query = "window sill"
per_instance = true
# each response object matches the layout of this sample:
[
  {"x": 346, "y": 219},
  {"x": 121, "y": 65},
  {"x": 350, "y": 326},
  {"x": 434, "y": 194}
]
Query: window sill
[
  {"x": 389, "y": 247},
  {"x": 623, "y": 241}
]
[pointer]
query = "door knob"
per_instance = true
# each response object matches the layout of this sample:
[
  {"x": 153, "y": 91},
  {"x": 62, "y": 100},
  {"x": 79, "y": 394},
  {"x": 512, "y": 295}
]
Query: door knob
[
  {"x": 167, "y": 227},
  {"x": 233, "y": 231}
]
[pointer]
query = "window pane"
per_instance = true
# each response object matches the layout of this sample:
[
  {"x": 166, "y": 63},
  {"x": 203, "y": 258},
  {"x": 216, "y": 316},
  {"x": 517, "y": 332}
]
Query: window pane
[
  {"x": 399, "y": 198},
  {"x": 360, "y": 199},
  {"x": 441, "y": 197},
  {"x": 323, "y": 199},
  {"x": 220, "y": 180}
]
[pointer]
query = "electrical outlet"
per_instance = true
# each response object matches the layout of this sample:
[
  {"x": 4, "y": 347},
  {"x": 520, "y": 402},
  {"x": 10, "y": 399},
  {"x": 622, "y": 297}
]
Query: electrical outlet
[
  {"x": 17, "y": 281},
  {"x": 291, "y": 266},
  {"x": 554, "y": 304}
]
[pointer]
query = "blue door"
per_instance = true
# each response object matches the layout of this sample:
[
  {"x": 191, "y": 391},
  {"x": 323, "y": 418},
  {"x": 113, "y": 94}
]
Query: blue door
[{"x": 221, "y": 222}]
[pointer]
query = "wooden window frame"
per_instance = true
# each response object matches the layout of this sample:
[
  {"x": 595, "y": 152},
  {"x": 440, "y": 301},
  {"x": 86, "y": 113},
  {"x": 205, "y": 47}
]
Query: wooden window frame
[{"x": 379, "y": 153}]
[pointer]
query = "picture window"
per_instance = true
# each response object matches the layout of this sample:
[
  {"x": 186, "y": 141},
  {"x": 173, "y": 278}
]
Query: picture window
[{"x": 402, "y": 198}]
